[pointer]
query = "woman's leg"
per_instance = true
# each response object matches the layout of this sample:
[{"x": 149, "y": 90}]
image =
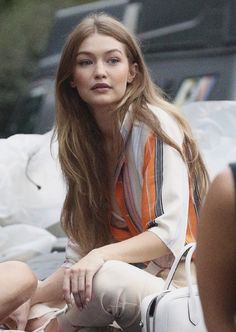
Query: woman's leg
[
  {"x": 118, "y": 290},
  {"x": 17, "y": 284}
]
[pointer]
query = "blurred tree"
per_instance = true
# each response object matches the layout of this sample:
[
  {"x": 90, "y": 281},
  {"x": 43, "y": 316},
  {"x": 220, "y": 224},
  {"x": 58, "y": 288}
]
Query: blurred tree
[{"x": 24, "y": 31}]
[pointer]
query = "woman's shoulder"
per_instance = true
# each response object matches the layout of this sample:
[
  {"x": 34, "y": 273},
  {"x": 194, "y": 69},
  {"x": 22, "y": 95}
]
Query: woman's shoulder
[{"x": 168, "y": 123}]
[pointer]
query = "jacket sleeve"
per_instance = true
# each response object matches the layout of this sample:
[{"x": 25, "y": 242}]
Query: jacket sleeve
[{"x": 165, "y": 192}]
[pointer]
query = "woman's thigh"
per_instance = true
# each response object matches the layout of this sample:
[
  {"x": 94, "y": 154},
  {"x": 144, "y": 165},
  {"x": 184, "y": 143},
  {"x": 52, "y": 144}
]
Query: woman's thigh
[{"x": 118, "y": 290}]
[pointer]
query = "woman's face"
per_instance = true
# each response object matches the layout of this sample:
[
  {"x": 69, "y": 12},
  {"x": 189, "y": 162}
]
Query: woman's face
[{"x": 102, "y": 71}]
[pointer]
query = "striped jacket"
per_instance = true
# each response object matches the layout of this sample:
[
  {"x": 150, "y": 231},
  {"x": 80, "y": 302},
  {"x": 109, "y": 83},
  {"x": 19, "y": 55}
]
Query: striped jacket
[{"x": 152, "y": 188}]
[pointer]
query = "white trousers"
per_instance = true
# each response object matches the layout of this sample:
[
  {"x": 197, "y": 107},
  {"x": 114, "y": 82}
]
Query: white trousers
[{"x": 118, "y": 290}]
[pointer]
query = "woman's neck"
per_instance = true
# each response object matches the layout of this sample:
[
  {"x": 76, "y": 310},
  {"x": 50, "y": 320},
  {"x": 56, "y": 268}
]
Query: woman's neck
[
  {"x": 112, "y": 137},
  {"x": 105, "y": 121}
]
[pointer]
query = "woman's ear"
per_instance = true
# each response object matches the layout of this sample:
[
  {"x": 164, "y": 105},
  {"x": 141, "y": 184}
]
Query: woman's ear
[
  {"x": 72, "y": 84},
  {"x": 132, "y": 72}
]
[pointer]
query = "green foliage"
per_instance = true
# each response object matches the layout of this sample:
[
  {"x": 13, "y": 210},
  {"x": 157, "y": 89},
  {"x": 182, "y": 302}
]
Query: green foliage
[{"x": 24, "y": 29}]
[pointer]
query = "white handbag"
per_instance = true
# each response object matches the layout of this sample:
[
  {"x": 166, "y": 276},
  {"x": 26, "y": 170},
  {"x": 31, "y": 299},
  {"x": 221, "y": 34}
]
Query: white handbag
[{"x": 174, "y": 310}]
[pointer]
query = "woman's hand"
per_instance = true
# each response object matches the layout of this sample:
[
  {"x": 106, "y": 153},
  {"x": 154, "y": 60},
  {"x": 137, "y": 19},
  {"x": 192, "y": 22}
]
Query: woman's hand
[
  {"x": 19, "y": 318},
  {"x": 78, "y": 279}
]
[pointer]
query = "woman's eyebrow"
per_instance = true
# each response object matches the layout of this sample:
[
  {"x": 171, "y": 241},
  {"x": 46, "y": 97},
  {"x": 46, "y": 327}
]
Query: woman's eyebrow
[
  {"x": 106, "y": 52},
  {"x": 114, "y": 50}
]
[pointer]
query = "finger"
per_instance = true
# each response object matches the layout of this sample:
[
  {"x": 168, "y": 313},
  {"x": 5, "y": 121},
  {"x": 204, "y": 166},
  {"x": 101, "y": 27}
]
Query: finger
[
  {"x": 81, "y": 286},
  {"x": 88, "y": 287},
  {"x": 66, "y": 286},
  {"x": 74, "y": 281}
]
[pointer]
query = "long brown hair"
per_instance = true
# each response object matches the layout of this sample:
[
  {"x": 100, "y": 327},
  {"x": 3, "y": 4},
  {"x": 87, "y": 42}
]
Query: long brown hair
[{"x": 85, "y": 215}]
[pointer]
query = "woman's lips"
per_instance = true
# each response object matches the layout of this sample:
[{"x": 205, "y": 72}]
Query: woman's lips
[{"x": 100, "y": 86}]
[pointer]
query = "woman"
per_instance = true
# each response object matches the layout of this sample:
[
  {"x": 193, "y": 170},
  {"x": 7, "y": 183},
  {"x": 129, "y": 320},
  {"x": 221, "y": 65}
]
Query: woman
[
  {"x": 17, "y": 285},
  {"x": 131, "y": 166},
  {"x": 216, "y": 253}
]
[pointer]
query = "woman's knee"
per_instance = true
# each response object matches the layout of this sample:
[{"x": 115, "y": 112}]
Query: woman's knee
[
  {"x": 117, "y": 279},
  {"x": 19, "y": 277},
  {"x": 112, "y": 275},
  {"x": 17, "y": 285},
  {"x": 28, "y": 279}
]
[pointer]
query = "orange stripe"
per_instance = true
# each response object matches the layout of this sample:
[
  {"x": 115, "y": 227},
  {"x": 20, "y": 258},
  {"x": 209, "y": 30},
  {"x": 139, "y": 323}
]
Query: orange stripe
[
  {"x": 149, "y": 182},
  {"x": 192, "y": 223},
  {"x": 118, "y": 233}
]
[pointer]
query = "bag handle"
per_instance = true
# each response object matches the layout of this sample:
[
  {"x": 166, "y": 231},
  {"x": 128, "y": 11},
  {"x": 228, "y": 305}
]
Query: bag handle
[
  {"x": 194, "y": 314},
  {"x": 176, "y": 264}
]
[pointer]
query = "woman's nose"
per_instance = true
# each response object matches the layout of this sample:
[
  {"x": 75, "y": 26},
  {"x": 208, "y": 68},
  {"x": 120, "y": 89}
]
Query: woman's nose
[{"x": 100, "y": 70}]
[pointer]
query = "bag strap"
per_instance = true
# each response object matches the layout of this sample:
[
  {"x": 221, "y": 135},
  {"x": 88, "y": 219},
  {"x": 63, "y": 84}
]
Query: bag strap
[
  {"x": 176, "y": 264},
  {"x": 194, "y": 314},
  {"x": 193, "y": 309}
]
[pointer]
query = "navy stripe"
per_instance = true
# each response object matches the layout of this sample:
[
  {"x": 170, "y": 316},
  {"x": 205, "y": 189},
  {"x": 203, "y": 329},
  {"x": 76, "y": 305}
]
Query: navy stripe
[
  {"x": 196, "y": 197},
  {"x": 159, "y": 176}
]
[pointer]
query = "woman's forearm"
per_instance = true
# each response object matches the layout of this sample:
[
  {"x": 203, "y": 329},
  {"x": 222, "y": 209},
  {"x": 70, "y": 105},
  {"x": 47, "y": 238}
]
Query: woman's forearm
[
  {"x": 140, "y": 248},
  {"x": 51, "y": 289}
]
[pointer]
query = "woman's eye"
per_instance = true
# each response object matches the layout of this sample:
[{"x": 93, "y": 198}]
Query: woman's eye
[
  {"x": 113, "y": 61},
  {"x": 85, "y": 62}
]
